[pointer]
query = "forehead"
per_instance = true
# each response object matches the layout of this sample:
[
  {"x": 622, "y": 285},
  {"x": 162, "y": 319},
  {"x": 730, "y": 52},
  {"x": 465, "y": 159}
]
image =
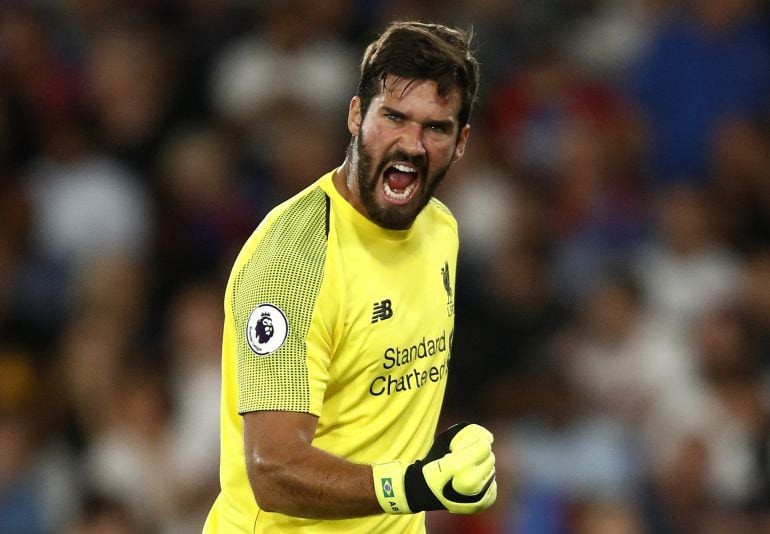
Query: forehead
[{"x": 418, "y": 97}]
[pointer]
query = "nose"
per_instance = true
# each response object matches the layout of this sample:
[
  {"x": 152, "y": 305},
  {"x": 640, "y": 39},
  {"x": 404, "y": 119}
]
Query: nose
[{"x": 411, "y": 140}]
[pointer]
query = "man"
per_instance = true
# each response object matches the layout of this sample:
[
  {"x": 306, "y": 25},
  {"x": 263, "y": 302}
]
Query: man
[{"x": 328, "y": 421}]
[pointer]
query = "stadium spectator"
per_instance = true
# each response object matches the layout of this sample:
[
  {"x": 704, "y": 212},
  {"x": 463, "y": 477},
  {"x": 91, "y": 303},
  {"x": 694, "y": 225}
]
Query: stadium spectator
[{"x": 708, "y": 64}]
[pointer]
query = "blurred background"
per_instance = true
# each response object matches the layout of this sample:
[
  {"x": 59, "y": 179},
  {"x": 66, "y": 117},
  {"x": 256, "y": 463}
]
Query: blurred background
[{"x": 613, "y": 323}]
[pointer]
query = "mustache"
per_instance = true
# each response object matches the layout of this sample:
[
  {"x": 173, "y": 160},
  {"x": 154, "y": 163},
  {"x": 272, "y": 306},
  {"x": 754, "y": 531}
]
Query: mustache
[{"x": 420, "y": 161}]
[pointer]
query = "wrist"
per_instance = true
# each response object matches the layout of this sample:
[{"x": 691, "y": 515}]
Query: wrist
[{"x": 389, "y": 487}]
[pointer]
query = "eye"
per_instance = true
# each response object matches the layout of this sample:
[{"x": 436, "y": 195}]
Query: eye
[
  {"x": 439, "y": 128},
  {"x": 394, "y": 117}
]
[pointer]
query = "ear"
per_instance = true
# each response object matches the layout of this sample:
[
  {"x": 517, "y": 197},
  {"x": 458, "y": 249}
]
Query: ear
[
  {"x": 354, "y": 116},
  {"x": 461, "y": 140}
]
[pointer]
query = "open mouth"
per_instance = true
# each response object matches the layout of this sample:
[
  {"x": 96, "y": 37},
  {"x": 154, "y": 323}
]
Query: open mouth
[{"x": 400, "y": 183}]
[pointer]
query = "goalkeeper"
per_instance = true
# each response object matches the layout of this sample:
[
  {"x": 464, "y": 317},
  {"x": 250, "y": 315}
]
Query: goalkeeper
[{"x": 339, "y": 317}]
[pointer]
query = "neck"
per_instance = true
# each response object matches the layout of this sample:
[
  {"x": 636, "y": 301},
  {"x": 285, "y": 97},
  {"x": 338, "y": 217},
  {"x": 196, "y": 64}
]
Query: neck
[{"x": 345, "y": 181}]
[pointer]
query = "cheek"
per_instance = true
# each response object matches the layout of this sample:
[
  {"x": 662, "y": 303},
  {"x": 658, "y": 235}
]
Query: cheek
[
  {"x": 375, "y": 136},
  {"x": 442, "y": 154}
]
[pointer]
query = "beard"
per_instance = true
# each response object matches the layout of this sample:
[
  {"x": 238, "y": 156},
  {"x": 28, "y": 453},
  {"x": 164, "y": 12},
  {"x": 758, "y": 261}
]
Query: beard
[{"x": 391, "y": 217}]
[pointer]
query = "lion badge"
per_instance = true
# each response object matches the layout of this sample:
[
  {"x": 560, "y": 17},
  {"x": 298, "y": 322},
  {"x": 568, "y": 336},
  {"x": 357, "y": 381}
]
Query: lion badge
[{"x": 266, "y": 329}]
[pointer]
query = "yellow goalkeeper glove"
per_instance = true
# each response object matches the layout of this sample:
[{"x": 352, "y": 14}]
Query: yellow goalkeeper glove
[{"x": 458, "y": 475}]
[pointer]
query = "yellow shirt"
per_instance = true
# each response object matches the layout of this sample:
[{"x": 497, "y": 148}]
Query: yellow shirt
[{"x": 329, "y": 314}]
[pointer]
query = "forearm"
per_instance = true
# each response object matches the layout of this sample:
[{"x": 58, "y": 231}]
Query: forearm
[
  {"x": 312, "y": 483},
  {"x": 290, "y": 476}
]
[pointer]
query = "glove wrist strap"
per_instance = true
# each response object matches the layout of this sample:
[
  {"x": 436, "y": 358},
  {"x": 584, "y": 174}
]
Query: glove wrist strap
[{"x": 389, "y": 487}]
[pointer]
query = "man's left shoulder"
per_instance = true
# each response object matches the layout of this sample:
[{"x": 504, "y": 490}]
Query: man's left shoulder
[{"x": 440, "y": 213}]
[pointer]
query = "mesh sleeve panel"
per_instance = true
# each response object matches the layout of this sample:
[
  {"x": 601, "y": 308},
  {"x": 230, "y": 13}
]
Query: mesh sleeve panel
[{"x": 286, "y": 270}]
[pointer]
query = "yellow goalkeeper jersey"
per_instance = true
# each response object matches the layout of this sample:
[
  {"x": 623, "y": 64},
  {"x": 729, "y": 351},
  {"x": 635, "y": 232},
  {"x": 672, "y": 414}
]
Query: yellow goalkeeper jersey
[{"x": 327, "y": 313}]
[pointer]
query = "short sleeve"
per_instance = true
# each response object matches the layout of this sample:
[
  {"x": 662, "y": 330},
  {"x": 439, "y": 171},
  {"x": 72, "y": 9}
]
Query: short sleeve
[{"x": 273, "y": 301}]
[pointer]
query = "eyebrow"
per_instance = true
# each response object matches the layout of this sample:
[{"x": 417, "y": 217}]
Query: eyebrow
[{"x": 447, "y": 124}]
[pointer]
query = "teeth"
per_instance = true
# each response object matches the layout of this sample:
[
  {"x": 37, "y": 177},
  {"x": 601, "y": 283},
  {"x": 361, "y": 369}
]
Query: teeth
[
  {"x": 406, "y": 193},
  {"x": 404, "y": 168}
]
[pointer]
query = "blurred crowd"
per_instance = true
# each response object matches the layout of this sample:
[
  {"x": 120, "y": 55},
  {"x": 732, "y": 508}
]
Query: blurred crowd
[{"x": 613, "y": 323}]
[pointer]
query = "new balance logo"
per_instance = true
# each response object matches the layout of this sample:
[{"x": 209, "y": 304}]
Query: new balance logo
[{"x": 382, "y": 310}]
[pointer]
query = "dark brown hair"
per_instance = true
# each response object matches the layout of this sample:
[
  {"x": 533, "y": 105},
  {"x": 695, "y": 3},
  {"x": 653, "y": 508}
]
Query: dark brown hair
[{"x": 422, "y": 51}]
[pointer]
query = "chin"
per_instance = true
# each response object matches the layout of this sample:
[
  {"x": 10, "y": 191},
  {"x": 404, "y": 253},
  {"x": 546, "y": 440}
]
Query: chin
[{"x": 398, "y": 217}]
